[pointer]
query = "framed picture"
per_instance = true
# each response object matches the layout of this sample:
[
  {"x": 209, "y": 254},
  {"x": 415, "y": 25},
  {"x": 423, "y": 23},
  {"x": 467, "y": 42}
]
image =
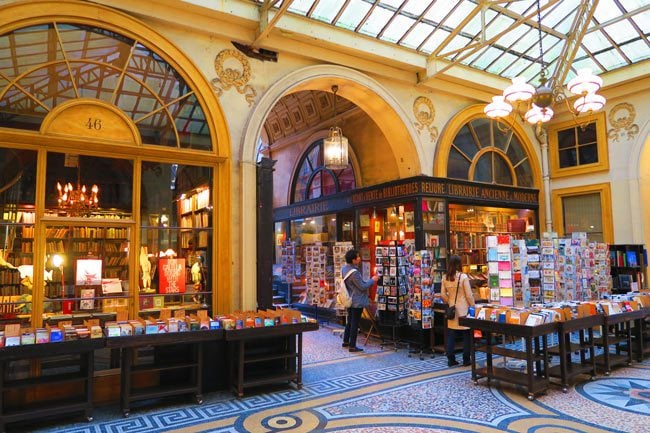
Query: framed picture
[
  {"x": 409, "y": 221},
  {"x": 364, "y": 220},
  {"x": 88, "y": 272},
  {"x": 171, "y": 275},
  {"x": 364, "y": 235},
  {"x": 87, "y": 301},
  {"x": 377, "y": 226}
]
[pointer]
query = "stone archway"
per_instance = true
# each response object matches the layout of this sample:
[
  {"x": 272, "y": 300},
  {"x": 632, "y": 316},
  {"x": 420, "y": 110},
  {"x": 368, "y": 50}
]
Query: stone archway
[{"x": 362, "y": 90}]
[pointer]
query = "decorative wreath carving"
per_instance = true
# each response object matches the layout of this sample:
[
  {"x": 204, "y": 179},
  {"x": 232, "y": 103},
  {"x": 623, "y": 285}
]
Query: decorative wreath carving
[
  {"x": 424, "y": 114},
  {"x": 621, "y": 117},
  {"x": 228, "y": 77}
]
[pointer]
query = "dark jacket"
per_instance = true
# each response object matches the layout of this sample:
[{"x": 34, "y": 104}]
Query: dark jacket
[{"x": 357, "y": 287}]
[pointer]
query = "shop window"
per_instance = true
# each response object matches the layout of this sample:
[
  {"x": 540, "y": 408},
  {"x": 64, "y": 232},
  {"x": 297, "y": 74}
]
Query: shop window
[
  {"x": 17, "y": 218},
  {"x": 578, "y": 148},
  {"x": 54, "y": 63},
  {"x": 584, "y": 209},
  {"x": 88, "y": 186},
  {"x": 175, "y": 237},
  {"x": 482, "y": 151},
  {"x": 313, "y": 180}
]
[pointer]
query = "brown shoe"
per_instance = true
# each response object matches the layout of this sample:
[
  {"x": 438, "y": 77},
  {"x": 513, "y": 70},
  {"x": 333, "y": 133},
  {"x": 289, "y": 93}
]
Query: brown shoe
[
  {"x": 356, "y": 349},
  {"x": 345, "y": 345}
]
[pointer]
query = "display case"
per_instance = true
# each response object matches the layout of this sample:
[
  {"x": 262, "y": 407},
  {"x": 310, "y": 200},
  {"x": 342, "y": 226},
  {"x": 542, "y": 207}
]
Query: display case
[
  {"x": 628, "y": 264},
  {"x": 392, "y": 288}
]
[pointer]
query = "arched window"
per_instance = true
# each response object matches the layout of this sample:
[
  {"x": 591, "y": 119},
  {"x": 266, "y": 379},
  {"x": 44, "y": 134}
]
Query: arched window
[
  {"x": 314, "y": 180},
  {"x": 482, "y": 151},
  {"x": 49, "y": 64}
]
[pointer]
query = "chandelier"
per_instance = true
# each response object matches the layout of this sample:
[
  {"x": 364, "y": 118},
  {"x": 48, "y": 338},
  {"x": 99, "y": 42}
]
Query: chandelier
[
  {"x": 76, "y": 200},
  {"x": 537, "y": 102},
  {"x": 335, "y": 147}
]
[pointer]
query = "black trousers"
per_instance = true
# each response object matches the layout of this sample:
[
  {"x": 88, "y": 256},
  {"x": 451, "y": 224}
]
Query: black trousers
[
  {"x": 352, "y": 326},
  {"x": 451, "y": 342}
]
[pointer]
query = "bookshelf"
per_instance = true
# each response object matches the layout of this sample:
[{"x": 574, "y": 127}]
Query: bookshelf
[{"x": 628, "y": 264}]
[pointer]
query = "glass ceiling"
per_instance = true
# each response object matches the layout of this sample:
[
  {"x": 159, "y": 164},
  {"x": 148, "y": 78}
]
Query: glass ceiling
[{"x": 500, "y": 38}]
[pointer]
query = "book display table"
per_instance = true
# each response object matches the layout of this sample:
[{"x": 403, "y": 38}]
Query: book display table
[
  {"x": 259, "y": 356},
  {"x": 178, "y": 355},
  {"x": 641, "y": 334},
  {"x": 616, "y": 329},
  {"x": 77, "y": 371},
  {"x": 536, "y": 377},
  {"x": 566, "y": 370}
]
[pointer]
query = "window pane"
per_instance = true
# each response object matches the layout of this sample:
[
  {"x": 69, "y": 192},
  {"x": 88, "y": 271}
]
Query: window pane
[
  {"x": 568, "y": 158},
  {"x": 502, "y": 175},
  {"x": 464, "y": 141},
  {"x": 71, "y": 178},
  {"x": 566, "y": 138},
  {"x": 524, "y": 175},
  {"x": 458, "y": 166},
  {"x": 583, "y": 214},
  {"x": 483, "y": 170},
  {"x": 588, "y": 154}
]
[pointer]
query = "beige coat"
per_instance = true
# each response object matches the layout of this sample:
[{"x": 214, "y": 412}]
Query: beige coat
[{"x": 464, "y": 301}]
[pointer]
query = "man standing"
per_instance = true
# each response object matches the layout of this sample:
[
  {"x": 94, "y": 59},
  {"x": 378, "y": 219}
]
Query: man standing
[{"x": 358, "y": 290}]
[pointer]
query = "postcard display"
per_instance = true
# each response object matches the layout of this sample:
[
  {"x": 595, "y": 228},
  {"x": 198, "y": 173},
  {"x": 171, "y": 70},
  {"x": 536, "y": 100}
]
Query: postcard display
[
  {"x": 523, "y": 273},
  {"x": 392, "y": 287},
  {"x": 288, "y": 261},
  {"x": 319, "y": 291},
  {"x": 420, "y": 298},
  {"x": 339, "y": 250}
]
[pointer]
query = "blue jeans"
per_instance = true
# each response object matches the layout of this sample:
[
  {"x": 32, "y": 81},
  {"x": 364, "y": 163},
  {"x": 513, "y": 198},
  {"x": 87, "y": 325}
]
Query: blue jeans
[
  {"x": 451, "y": 342},
  {"x": 352, "y": 326}
]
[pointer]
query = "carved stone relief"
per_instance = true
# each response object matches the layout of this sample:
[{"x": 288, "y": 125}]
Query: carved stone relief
[
  {"x": 233, "y": 70},
  {"x": 621, "y": 117},
  {"x": 424, "y": 115}
]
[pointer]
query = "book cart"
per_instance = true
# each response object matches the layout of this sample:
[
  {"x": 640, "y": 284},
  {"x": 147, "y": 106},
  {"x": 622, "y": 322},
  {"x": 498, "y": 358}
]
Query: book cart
[
  {"x": 616, "y": 329},
  {"x": 78, "y": 371},
  {"x": 177, "y": 355},
  {"x": 566, "y": 370},
  {"x": 259, "y": 356},
  {"x": 536, "y": 377}
]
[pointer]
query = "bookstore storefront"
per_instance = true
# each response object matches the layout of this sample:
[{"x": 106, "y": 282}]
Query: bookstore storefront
[
  {"x": 110, "y": 162},
  {"x": 443, "y": 216}
]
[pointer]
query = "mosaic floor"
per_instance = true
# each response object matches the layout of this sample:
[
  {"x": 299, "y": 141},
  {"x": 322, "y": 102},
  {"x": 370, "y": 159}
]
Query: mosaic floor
[{"x": 383, "y": 391}]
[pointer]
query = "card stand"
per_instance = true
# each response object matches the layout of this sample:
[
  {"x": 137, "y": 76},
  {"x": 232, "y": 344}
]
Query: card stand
[
  {"x": 567, "y": 370},
  {"x": 616, "y": 329},
  {"x": 81, "y": 362},
  {"x": 535, "y": 352}
]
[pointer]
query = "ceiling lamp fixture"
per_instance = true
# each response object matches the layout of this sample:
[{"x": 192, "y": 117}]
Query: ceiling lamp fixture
[
  {"x": 335, "y": 148},
  {"x": 537, "y": 101},
  {"x": 77, "y": 200}
]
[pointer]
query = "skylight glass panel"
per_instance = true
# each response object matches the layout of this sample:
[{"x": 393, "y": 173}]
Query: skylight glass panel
[
  {"x": 500, "y": 24},
  {"x": 527, "y": 41},
  {"x": 621, "y": 31},
  {"x": 643, "y": 21},
  {"x": 415, "y": 7},
  {"x": 519, "y": 68},
  {"x": 563, "y": 25},
  {"x": 606, "y": 10},
  {"x": 513, "y": 37},
  {"x": 327, "y": 10},
  {"x": 488, "y": 56},
  {"x": 397, "y": 28},
  {"x": 472, "y": 58},
  {"x": 417, "y": 35},
  {"x": 595, "y": 41},
  {"x": 458, "y": 15},
  {"x": 301, "y": 7},
  {"x": 435, "y": 40},
  {"x": 501, "y": 63},
  {"x": 636, "y": 51},
  {"x": 589, "y": 63},
  {"x": 564, "y": 12},
  {"x": 440, "y": 10},
  {"x": 610, "y": 59},
  {"x": 376, "y": 21},
  {"x": 522, "y": 7},
  {"x": 392, "y": 3},
  {"x": 353, "y": 14},
  {"x": 456, "y": 43}
]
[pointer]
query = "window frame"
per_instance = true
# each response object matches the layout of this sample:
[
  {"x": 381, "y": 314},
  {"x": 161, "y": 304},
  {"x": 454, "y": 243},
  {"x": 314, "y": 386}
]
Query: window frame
[
  {"x": 601, "y": 145},
  {"x": 605, "y": 192}
]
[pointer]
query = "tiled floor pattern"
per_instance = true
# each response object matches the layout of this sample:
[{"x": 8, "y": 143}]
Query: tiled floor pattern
[{"x": 383, "y": 391}]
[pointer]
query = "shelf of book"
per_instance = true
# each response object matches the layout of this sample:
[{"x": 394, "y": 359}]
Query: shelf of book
[{"x": 628, "y": 264}]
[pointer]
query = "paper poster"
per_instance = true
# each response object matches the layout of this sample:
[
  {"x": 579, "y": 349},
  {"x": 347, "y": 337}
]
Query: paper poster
[
  {"x": 172, "y": 275},
  {"x": 89, "y": 272}
]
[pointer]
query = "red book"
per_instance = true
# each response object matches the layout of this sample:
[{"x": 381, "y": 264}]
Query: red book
[{"x": 171, "y": 275}]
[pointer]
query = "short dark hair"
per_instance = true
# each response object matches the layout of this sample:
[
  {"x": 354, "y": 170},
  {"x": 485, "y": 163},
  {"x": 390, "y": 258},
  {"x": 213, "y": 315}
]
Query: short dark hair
[{"x": 351, "y": 255}]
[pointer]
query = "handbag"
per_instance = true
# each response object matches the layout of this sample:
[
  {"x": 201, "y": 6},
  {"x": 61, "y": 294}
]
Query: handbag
[{"x": 450, "y": 312}]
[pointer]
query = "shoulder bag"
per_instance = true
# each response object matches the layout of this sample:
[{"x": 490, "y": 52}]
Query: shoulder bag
[{"x": 450, "y": 313}]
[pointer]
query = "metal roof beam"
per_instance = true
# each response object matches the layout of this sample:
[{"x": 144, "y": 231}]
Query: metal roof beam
[{"x": 265, "y": 25}]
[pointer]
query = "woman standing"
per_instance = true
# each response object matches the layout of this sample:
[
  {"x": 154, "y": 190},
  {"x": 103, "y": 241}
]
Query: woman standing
[{"x": 456, "y": 291}]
